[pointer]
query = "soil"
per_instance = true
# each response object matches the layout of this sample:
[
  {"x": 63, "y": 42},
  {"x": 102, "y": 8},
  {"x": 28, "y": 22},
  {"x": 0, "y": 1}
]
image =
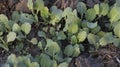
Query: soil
[{"x": 108, "y": 56}]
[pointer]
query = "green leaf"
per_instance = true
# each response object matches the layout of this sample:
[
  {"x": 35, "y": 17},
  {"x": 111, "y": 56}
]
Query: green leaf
[
  {"x": 45, "y": 60},
  {"x": 4, "y": 20},
  {"x": 95, "y": 30},
  {"x": 114, "y": 14},
  {"x": 97, "y": 8},
  {"x": 41, "y": 34},
  {"x": 67, "y": 11},
  {"x": 34, "y": 41},
  {"x": 30, "y": 4},
  {"x": 56, "y": 15},
  {"x": 73, "y": 39},
  {"x": 68, "y": 50},
  {"x": 82, "y": 36},
  {"x": 11, "y": 36},
  {"x": 45, "y": 13},
  {"x": 92, "y": 25},
  {"x": 16, "y": 27},
  {"x": 15, "y": 16},
  {"x": 61, "y": 35},
  {"x": 90, "y": 14},
  {"x": 54, "y": 63},
  {"x": 24, "y": 17},
  {"x": 40, "y": 45},
  {"x": 12, "y": 59},
  {"x": 92, "y": 39},
  {"x": 104, "y": 9},
  {"x": 26, "y": 27},
  {"x": 52, "y": 48},
  {"x": 81, "y": 8},
  {"x": 63, "y": 64},
  {"x": 38, "y": 5},
  {"x": 73, "y": 28},
  {"x": 116, "y": 42},
  {"x": 106, "y": 39},
  {"x": 76, "y": 50},
  {"x": 117, "y": 30}
]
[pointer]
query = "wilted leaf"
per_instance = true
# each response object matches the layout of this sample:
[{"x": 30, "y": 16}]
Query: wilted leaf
[{"x": 11, "y": 36}]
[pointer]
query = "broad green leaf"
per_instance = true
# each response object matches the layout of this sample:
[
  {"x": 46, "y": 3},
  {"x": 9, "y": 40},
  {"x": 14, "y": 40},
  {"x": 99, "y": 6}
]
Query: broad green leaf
[
  {"x": 97, "y": 8},
  {"x": 4, "y": 46},
  {"x": 106, "y": 39},
  {"x": 114, "y": 14},
  {"x": 116, "y": 42},
  {"x": 66, "y": 12},
  {"x": 38, "y": 5},
  {"x": 41, "y": 34},
  {"x": 45, "y": 13},
  {"x": 76, "y": 50},
  {"x": 52, "y": 47},
  {"x": 56, "y": 15},
  {"x": 61, "y": 35},
  {"x": 117, "y": 3},
  {"x": 95, "y": 30},
  {"x": 11, "y": 36},
  {"x": 68, "y": 50},
  {"x": 30, "y": 4},
  {"x": 26, "y": 27},
  {"x": 90, "y": 14},
  {"x": 73, "y": 39},
  {"x": 16, "y": 27},
  {"x": 81, "y": 8},
  {"x": 91, "y": 25},
  {"x": 12, "y": 59},
  {"x": 40, "y": 45},
  {"x": 82, "y": 36},
  {"x": 73, "y": 28},
  {"x": 34, "y": 41},
  {"x": 4, "y": 20},
  {"x": 63, "y": 64},
  {"x": 117, "y": 30},
  {"x": 24, "y": 17},
  {"x": 92, "y": 39},
  {"x": 53, "y": 63},
  {"x": 45, "y": 61},
  {"x": 15, "y": 16},
  {"x": 104, "y": 9}
]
